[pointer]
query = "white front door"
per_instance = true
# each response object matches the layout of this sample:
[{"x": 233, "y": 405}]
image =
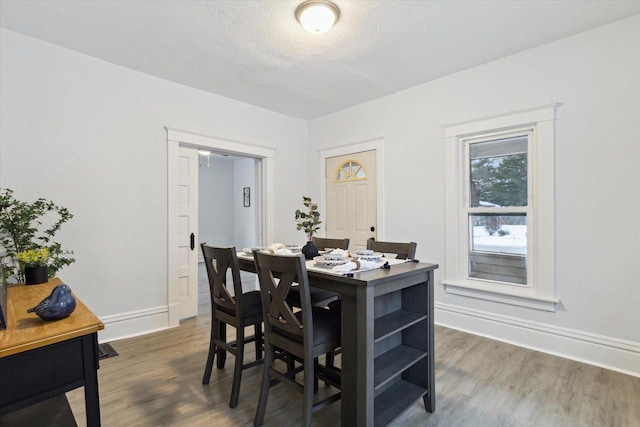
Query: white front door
[
  {"x": 188, "y": 228},
  {"x": 352, "y": 197}
]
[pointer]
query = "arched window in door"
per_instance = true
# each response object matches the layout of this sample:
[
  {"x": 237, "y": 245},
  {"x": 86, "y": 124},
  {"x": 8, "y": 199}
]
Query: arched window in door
[{"x": 350, "y": 170}]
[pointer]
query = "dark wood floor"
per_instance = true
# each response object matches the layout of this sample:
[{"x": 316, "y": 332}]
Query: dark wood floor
[{"x": 156, "y": 381}]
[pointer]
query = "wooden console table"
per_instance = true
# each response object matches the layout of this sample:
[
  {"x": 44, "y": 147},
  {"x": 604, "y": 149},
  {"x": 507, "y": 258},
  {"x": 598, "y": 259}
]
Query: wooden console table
[{"x": 39, "y": 360}]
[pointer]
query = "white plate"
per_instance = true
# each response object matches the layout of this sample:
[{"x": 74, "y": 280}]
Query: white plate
[
  {"x": 373, "y": 257},
  {"x": 335, "y": 257},
  {"x": 365, "y": 252},
  {"x": 322, "y": 261}
]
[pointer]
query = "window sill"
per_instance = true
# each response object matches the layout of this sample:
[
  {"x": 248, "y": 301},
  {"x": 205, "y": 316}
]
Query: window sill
[{"x": 505, "y": 297}]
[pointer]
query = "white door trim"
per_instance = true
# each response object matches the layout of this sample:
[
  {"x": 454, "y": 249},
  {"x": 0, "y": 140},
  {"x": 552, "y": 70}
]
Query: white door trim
[
  {"x": 265, "y": 210},
  {"x": 373, "y": 144}
]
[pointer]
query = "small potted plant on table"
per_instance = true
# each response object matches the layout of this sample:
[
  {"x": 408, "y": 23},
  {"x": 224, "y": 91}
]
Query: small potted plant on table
[
  {"x": 310, "y": 223},
  {"x": 34, "y": 264}
]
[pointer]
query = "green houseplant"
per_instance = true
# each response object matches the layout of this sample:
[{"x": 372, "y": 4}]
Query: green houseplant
[
  {"x": 26, "y": 227},
  {"x": 309, "y": 222}
]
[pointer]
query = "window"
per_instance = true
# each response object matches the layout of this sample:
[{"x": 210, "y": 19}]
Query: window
[
  {"x": 500, "y": 208},
  {"x": 350, "y": 170},
  {"x": 497, "y": 207}
]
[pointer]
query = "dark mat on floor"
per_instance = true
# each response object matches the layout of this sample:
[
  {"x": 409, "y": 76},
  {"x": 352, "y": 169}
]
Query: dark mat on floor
[
  {"x": 105, "y": 351},
  {"x": 54, "y": 412}
]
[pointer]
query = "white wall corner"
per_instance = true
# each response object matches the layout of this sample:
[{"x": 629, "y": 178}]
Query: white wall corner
[{"x": 606, "y": 352}]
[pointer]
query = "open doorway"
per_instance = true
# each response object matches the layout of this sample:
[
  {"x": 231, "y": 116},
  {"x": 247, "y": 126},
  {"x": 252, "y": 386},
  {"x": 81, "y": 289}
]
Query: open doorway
[
  {"x": 226, "y": 211},
  {"x": 226, "y": 200},
  {"x": 248, "y": 191}
]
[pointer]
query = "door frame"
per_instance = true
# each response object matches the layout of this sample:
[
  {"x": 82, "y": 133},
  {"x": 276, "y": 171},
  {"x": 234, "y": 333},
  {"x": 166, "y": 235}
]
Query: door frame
[
  {"x": 264, "y": 185},
  {"x": 376, "y": 144}
]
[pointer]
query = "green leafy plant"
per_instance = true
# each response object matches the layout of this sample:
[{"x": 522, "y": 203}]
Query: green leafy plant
[
  {"x": 308, "y": 221},
  {"x": 22, "y": 228}
]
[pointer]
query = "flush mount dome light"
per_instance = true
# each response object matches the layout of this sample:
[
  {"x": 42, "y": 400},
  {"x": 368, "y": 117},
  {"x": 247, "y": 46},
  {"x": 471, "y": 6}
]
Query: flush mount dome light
[{"x": 317, "y": 16}]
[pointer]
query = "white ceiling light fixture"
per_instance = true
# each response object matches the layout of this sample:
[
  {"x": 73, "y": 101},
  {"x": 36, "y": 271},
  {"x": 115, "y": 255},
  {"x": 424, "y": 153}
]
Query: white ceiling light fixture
[{"x": 317, "y": 16}]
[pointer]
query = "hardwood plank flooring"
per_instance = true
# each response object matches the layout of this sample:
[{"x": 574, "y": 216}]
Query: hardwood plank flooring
[{"x": 156, "y": 381}]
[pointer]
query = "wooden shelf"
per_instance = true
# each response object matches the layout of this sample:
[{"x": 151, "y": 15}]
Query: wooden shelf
[
  {"x": 394, "y": 322},
  {"x": 393, "y": 362},
  {"x": 395, "y": 400}
]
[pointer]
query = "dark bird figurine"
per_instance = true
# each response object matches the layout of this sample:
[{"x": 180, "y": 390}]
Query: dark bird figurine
[{"x": 58, "y": 305}]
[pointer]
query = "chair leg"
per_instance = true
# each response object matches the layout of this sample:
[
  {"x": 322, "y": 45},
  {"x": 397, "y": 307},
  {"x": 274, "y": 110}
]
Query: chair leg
[
  {"x": 329, "y": 362},
  {"x": 330, "y": 359},
  {"x": 310, "y": 384},
  {"x": 237, "y": 372},
  {"x": 291, "y": 364},
  {"x": 315, "y": 377},
  {"x": 258, "y": 334},
  {"x": 266, "y": 384},
  {"x": 222, "y": 354},
  {"x": 212, "y": 352}
]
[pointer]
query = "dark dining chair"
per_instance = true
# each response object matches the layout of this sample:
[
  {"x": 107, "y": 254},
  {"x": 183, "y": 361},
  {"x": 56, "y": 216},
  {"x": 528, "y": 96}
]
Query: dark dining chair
[
  {"x": 400, "y": 250},
  {"x": 324, "y": 243},
  {"x": 320, "y": 297},
  {"x": 238, "y": 310},
  {"x": 305, "y": 334}
]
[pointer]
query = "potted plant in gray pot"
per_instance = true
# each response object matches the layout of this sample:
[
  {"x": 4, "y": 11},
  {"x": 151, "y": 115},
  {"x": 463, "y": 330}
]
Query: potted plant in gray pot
[
  {"x": 309, "y": 222},
  {"x": 26, "y": 229},
  {"x": 34, "y": 264}
]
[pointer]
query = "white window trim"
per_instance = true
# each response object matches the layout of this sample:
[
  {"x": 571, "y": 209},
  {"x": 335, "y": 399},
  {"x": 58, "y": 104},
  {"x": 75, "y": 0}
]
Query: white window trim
[{"x": 540, "y": 293}]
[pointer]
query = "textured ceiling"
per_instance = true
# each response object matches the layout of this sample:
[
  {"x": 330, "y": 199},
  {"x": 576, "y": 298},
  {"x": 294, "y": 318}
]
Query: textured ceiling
[{"x": 256, "y": 52}]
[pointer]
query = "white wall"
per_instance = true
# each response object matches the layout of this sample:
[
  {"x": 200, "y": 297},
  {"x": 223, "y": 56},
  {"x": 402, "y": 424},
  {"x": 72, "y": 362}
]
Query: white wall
[
  {"x": 89, "y": 135},
  {"x": 215, "y": 202},
  {"x": 244, "y": 230},
  {"x": 596, "y": 76}
]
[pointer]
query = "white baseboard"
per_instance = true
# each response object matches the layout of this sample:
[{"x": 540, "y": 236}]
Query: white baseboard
[
  {"x": 607, "y": 352},
  {"x": 134, "y": 323}
]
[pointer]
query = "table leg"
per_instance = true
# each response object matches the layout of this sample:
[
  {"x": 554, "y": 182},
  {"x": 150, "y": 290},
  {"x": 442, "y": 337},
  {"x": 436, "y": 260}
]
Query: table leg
[
  {"x": 357, "y": 358},
  {"x": 349, "y": 361},
  {"x": 91, "y": 396},
  {"x": 430, "y": 398}
]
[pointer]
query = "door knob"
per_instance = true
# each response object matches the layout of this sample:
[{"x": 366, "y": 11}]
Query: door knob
[{"x": 373, "y": 228}]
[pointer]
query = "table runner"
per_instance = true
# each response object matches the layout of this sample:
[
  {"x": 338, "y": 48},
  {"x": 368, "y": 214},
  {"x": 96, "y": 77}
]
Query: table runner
[{"x": 328, "y": 270}]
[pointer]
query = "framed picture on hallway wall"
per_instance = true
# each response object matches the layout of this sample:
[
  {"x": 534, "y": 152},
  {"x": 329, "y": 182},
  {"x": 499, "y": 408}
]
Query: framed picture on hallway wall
[{"x": 246, "y": 197}]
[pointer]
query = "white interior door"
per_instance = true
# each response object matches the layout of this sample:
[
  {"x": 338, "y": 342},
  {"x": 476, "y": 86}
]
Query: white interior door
[
  {"x": 188, "y": 229},
  {"x": 351, "y": 182}
]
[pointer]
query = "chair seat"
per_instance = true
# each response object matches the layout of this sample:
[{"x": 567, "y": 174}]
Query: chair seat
[
  {"x": 317, "y": 296},
  {"x": 251, "y": 303},
  {"x": 326, "y": 327}
]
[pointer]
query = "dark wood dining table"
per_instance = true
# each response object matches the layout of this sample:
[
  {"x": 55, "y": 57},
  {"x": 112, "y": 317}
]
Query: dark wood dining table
[{"x": 388, "y": 359}]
